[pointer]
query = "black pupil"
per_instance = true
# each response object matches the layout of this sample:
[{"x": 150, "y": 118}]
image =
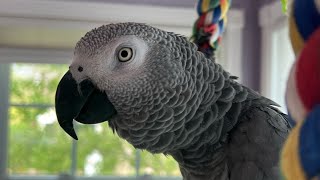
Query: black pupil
[
  {"x": 80, "y": 69},
  {"x": 124, "y": 53}
]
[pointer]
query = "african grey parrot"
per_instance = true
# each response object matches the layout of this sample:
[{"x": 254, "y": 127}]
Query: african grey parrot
[{"x": 158, "y": 92}]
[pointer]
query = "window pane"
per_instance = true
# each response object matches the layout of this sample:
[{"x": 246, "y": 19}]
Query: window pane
[
  {"x": 37, "y": 144},
  {"x": 100, "y": 152},
  {"x": 158, "y": 165},
  {"x": 35, "y": 83}
]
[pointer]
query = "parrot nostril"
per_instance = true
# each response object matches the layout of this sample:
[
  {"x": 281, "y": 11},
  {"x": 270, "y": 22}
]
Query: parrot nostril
[{"x": 80, "y": 69}]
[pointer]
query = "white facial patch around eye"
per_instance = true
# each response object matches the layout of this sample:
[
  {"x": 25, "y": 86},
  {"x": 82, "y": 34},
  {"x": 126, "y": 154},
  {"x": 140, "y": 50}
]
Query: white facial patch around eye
[
  {"x": 139, "y": 50},
  {"x": 104, "y": 65}
]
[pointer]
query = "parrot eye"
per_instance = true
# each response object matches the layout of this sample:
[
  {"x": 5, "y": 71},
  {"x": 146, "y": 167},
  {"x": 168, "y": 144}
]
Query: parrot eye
[{"x": 125, "y": 54}]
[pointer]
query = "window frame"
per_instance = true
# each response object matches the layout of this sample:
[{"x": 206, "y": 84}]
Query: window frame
[
  {"x": 4, "y": 101},
  {"x": 34, "y": 56},
  {"x": 274, "y": 21},
  {"x": 69, "y": 14}
]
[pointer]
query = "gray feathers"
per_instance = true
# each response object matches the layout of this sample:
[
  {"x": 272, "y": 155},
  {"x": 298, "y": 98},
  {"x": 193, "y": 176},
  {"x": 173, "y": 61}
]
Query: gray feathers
[
  {"x": 254, "y": 146},
  {"x": 181, "y": 103}
]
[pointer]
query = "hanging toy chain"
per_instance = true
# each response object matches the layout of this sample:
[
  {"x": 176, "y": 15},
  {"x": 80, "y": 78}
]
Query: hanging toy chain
[
  {"x": 210, "y": 25},
  {"x": 300, "y": 158}
]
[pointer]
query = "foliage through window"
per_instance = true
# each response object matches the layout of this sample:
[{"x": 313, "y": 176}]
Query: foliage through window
[{"x": 37, "y": 145}]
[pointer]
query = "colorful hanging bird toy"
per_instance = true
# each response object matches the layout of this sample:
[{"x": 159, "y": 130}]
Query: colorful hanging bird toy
[
  {"x": 210, "y": 25},
  {"x": 300, "y": 157}
]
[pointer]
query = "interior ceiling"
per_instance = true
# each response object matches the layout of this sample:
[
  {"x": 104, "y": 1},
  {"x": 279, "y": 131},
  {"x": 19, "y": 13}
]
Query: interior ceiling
[
  {"x": 186, "y": 3},
  {"x": 58, "y": 38},
  {"x": 62, "y": 37},
  {"x": 167, "y": 3}
]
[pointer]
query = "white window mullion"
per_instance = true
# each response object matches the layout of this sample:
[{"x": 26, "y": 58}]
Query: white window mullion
[
  {"x": 270, "y": 16},
  {"x": 231, "y": 50},
  {"x": 266, "y": 64},
  {"x": 277, "y": 55},
  {"x": 4, "y": 106},
  {"x": 74, "y": 157},
  {"x": 138, "y": 162}
]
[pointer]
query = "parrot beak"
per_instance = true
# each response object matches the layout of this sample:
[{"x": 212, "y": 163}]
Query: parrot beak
[{"x": 81, "y": 102}]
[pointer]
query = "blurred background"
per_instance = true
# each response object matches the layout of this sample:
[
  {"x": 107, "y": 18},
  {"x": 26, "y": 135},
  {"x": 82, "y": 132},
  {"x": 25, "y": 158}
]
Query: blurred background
[{"x": 37, "y": 38}]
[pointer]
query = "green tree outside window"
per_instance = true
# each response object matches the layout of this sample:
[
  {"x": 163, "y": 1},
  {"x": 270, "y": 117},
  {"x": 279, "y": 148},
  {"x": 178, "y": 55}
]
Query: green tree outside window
[{"x": 37, "y": 144}]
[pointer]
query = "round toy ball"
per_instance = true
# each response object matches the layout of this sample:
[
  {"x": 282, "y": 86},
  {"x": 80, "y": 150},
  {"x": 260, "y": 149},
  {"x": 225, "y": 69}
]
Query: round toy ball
[
  {"x": 294, "y": 105},
  {"x": 308, "y": 72}
]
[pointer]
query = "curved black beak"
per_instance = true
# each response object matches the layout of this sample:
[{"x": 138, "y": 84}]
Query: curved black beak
[{"x": 81, "y": 102}]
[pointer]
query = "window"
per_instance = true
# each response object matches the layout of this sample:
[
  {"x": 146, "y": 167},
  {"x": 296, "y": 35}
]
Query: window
[
  {"x": 38, "y": 146},
  {"x": 277, "y": 55}
]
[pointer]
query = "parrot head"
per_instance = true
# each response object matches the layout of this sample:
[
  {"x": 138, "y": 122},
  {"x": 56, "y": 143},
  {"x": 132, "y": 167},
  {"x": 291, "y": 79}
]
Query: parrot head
[{"x": 144, "y": 81}]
